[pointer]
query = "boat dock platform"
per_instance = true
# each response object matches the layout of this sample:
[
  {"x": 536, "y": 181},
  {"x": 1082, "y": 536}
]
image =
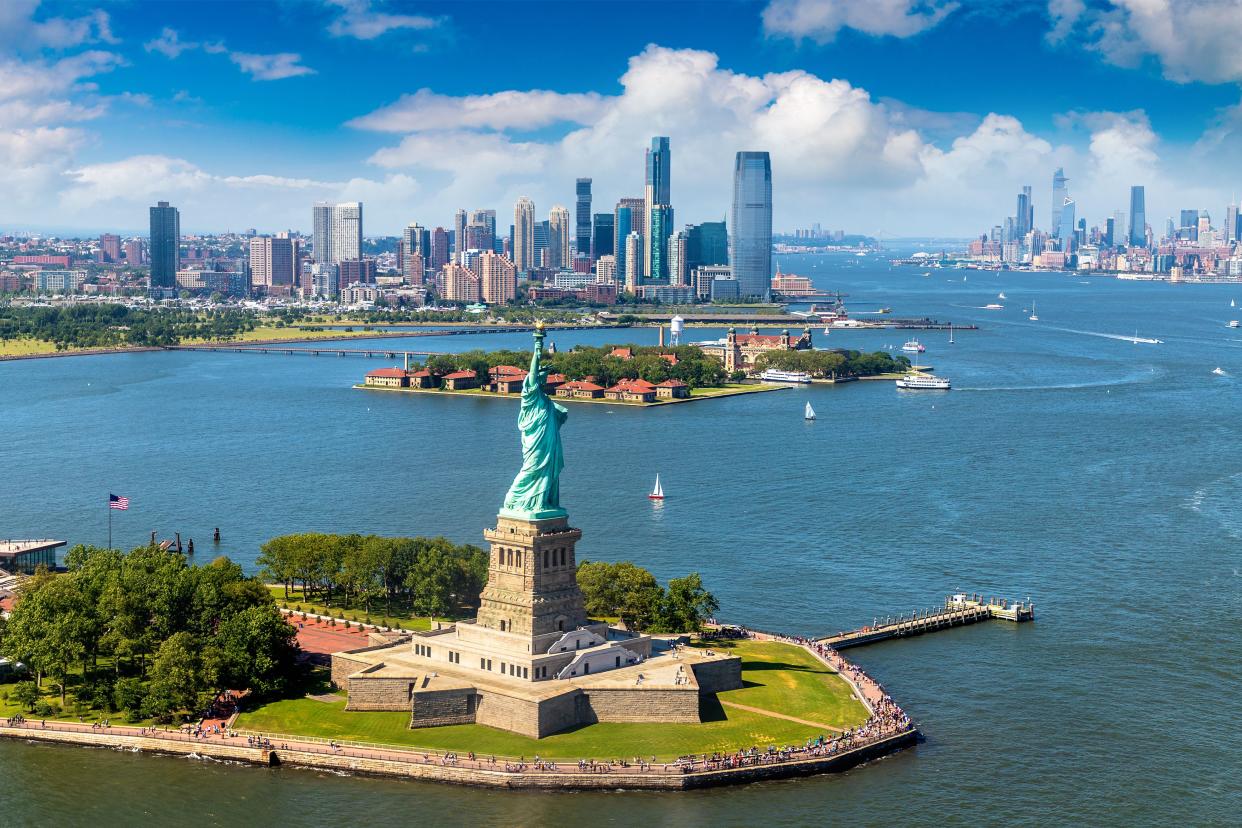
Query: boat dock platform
[{"x": 958, "y": 610}]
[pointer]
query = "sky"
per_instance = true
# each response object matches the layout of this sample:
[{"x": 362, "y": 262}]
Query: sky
[{"x": 885, "y": 117}]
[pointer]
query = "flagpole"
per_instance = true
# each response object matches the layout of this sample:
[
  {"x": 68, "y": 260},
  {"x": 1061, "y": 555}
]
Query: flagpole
[{"x": 109, "y": 521}]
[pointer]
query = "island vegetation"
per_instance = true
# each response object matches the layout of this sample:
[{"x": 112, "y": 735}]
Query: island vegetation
[
  {"x": 835, "y": 363},
  {"x": 144, "y": 633},
  {"x": 394, "y": 578},
  {"x": 632, "y": 594},
  {"x": 692, "y": 366}
]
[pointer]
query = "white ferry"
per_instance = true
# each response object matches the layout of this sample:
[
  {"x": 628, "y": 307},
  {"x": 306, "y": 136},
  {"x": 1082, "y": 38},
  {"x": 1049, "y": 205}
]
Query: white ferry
[
  {"x": 923, "y": 382},
  {"x": 775, "y": 375},
  {"x": 914, "y": 346}
]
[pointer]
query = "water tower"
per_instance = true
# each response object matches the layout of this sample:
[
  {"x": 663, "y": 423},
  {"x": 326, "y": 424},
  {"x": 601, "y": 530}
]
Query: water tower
[{"x": 675, "y": 328}]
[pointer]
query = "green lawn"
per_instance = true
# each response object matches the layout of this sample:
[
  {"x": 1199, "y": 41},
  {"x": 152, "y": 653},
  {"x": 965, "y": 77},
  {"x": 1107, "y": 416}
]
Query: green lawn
[
  {"x": 25, "y": 347},
  {"x": 734, "y": 388},
  {"x": 355, "y": 612},
  {"x": 789, "y": 680},
  {"x": 778, "y": 677}
]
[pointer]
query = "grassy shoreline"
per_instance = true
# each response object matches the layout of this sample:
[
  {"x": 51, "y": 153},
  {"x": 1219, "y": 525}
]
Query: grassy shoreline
[{"x": 779, "y": 680}]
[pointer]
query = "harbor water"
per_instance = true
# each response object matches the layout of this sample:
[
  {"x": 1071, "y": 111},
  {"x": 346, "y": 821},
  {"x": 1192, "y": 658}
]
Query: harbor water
[{"x": 1099, "y": 477}]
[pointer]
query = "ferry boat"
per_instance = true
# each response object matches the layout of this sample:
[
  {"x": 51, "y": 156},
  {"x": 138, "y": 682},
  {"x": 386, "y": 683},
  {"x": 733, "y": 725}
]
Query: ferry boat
[
  {"x": 993, "y": 306},
  {"x": 923, "y": 382},
  {"x": 776, "y": 375},
  {"x": 914, "y": 346}
]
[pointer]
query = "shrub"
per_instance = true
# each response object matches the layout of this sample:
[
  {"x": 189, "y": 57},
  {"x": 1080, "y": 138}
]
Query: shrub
[
  {"x": 42, "y": 708},
  {"x": 26, "y": 693}
]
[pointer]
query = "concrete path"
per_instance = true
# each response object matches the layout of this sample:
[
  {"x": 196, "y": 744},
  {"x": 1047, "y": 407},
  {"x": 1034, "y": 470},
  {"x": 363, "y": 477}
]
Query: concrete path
[{"x": 774, "y": 715}]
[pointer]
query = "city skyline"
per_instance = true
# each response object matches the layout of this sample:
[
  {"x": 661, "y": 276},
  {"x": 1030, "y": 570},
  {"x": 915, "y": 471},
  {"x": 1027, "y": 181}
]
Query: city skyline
[{"x": 110, "y": 110}]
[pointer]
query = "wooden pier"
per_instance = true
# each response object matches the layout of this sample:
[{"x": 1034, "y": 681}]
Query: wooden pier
[{"x": 958, "y": 610}]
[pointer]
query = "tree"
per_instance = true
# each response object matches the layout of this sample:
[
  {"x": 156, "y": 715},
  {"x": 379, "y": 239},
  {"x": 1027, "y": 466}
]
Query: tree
[
  {"x": 431, "y": 579},
  {"x": 620, "y": 589},
  {"x": 176, "y": 674},
  {"x": 26, "y": 693},
  {"x": 254, "y": 649},
  {"x": 687, "y": 604}
]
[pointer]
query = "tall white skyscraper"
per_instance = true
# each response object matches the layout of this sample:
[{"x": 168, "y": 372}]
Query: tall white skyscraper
[
  {"x": 338, "y": 231},
  {"x": 633, "y": 260},
  {"x": 524, "y": 234},
  {"x": 677, "y": 274},
  {"x": 558, "y": 243}
]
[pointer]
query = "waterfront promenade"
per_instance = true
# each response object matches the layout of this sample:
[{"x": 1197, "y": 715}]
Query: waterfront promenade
[{"x": 886, "y": 730}]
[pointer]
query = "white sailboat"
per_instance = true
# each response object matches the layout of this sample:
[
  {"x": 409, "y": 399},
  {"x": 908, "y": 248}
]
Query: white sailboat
[
  {"x": 1232, "y": 304},
  {"x": 810, "y": 412},
  {"x": 950, "y": 333},
  {"x": 1001, "y": 295},
  {"x": 658, "y": 492},
  {"x": 1033, "y": 317}
]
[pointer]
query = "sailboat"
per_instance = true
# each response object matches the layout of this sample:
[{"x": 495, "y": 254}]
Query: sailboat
[
  {"x": 1001, "y": 295},
  {"x": 1033, "y": 317},
  {"x": 1232, "y": 304},
  {"x": 950, "y": 333},
  {"x": 658, "y": 492},
  {"x": 810, "y": 412}
]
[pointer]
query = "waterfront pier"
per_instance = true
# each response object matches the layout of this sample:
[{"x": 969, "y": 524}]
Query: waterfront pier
[{"x": 958, "y": 610}]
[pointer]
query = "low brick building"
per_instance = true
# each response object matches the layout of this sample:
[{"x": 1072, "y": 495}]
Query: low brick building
[
  {"x": 581, "y": 389},
  {"x": 388, "y": 378},
  {"x": 632, "y": 391},
  {"x": 672, "y": 389},
  {"x": 461, "y": 380}
]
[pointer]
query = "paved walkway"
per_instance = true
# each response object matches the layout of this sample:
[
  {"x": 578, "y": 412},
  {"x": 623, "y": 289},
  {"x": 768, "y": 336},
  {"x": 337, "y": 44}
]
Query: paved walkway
[{"x": 774, "y": 715}]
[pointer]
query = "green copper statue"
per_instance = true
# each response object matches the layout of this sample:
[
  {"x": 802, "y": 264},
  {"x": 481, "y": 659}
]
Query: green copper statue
[{"x": 536, "y": 491}]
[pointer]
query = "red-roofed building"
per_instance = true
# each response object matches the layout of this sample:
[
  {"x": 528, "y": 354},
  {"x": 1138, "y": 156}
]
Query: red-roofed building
[
  {"x": 388, "y": 378},
  {"x": 424, "y": 379},
  {"x": 671, "y": 359},
  {"x": 461, "y": 380},
  {"x": 580, "y": 389},
  {"x": 632, "y": 390},
  {"x": 507, "y": 383},
  {"x": 622, "y": 353},
  {"x": 740, "y": 351},
  {"x": 554, "y": 381},
  {"x": 672, "y": 389}
]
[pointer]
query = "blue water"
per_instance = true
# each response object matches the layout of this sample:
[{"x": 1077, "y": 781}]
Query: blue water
[{"x": 1099, "y": 477}]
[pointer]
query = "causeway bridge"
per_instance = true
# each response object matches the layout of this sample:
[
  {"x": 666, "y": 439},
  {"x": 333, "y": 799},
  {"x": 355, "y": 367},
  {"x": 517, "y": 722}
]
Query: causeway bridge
[{"x": 958, "y": 610}]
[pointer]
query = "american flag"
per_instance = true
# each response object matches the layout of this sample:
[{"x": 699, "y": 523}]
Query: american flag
[{"x": 118, "y": 502}]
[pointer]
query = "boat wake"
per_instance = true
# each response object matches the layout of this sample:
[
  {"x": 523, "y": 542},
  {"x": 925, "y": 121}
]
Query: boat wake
[
  {"x": 1136, "y": 339},
  {"x": 1133, "y": 379}
]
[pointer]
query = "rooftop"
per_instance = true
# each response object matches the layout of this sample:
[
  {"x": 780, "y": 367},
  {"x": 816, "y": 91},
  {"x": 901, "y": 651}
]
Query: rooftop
[{"x": 18, "y": 547}]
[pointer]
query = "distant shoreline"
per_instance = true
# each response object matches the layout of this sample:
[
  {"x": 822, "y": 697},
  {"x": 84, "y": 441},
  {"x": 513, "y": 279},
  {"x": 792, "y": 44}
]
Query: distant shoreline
[{"x": 722, "y": 393}]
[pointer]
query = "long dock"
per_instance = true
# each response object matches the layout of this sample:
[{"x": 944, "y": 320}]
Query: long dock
[
  {"x": 371, "y": 353},
  {"x": 958, "y": 610}
]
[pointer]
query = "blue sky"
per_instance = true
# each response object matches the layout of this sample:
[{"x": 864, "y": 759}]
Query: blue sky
[{"x": 888, "y": 116}]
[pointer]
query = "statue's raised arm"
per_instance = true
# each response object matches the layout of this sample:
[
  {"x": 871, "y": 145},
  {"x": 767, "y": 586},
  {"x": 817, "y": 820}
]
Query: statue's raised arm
[{"x": 536, "y": 491}]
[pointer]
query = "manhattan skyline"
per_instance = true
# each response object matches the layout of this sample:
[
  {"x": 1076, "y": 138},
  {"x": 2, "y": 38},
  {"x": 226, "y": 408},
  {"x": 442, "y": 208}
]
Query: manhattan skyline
[{"x": 888, "y": 119}]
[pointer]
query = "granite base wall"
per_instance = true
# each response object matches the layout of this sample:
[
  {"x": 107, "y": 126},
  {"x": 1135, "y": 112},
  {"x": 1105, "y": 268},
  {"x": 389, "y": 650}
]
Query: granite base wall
[
  {"x": 435, "y": 708},
  {"x": 718, "y": 676},
  {"x": 369, "y": 693},
  {"x": 623, "y": 705}
]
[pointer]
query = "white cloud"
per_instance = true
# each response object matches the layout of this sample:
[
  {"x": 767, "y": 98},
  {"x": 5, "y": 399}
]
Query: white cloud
[
  {"x": 1193, "y": 40},
  {"x": 359, "y": 19},
  {"x": 820, "y": 20},
  {"x": 21, "y": 31},
  {"x": 271, "y": 67},
  {"x": 169, "y": 44},
  {"x": 425, "y": 110}
]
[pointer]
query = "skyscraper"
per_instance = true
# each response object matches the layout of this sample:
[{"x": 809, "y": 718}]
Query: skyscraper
[
  {"x": 497, "y": 279},
  {"x": 628, "y": 219},
  {"x": 321, "y": 214},
  {"x": 110, "y": 247},
  {"x": 346, "y": 231},
  {"x": 272, "y": 261},
  {"x": 165, "y": 247},
  {"x": 583, "y": 216},
  {"x": 1058, "y": 199},
  {"x": 1024, "y": 215},
  {"x": 633, "y": 252},
  {"x": 439, "y": 249},
  {"x": 706, "y": 244},
  {"x": 661, "y": 231},
  {"x": 558, "y": 238},
  {"x": 524, "y": 234},
  {"x": 677, "y": 272},
  {"x": 602, "y": 241},
  {"x": 1138, "y": 217},
  {"x": 542, "y": 234},
  {"x": 415, "y": 241},
  {"x": 658, "y": 191},
  {"x": 750, "y": 246},
  {"x": 1230, "y": 229},
  {"x": 1119, "y": 228},
  {"x": 459, "y": 231},
  {"x": 1066, "y": 230}
]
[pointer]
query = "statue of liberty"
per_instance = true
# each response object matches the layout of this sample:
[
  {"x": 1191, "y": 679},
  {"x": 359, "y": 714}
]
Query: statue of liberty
[{"x": 536, "y": 491}]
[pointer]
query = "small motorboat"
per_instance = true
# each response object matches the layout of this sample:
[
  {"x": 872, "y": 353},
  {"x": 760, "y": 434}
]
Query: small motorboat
[{"x": 1220, "y": 372}]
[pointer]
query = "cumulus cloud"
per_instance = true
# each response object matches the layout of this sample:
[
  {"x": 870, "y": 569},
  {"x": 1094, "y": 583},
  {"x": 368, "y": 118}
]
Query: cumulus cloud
[
  {"x": 271, "y": 67},
  {"x": 820, "y": 20},
  {"x": 20, "y": 30},
  {"x": 169, "y": 44},
  {"x": 359, "y": 19},
  {"x": 1192, "y": 40},
  {"x": 425, "y": 110}
]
